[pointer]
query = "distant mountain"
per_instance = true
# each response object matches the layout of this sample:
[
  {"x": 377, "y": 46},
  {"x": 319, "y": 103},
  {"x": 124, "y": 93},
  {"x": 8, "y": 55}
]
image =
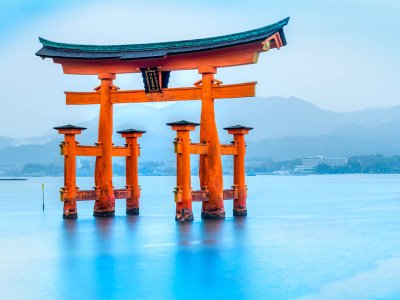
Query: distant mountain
[
  {"x": 273, "y": 117},
  {"x": 284, "y": 117},
  {"x": 284, "y": 128},
  {"x": 21, "y": 155},
  {"x": 6, "y": 141},
  {"x": 13, "y": 142},
  {"x": 329, "y": 145}
]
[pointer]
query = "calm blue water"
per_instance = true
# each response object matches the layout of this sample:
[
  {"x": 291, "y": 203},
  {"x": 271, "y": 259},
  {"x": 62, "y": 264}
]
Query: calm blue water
[{"x": 314, "y": 237}]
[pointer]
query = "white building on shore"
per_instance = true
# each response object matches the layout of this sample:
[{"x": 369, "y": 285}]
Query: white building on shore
[{"x": 309, "y": 164}]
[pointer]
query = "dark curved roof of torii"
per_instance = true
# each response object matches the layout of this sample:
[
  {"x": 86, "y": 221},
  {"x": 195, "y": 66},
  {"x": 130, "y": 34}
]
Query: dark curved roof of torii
[{"x": 153, "y": 50}]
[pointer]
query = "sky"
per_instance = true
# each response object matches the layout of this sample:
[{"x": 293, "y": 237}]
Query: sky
[{"x": 341, "y": 55}]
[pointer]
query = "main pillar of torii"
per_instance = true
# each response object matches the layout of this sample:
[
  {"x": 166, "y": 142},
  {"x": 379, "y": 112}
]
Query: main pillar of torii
[
  {"x": 105, "y": 205},
  {"x": 210, "y": 165},
  {"x": 156, "y": 61}
]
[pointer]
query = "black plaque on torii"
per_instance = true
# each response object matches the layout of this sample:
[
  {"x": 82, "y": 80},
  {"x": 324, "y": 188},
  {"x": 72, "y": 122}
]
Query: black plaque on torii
[{"x": 151, "y": 80}]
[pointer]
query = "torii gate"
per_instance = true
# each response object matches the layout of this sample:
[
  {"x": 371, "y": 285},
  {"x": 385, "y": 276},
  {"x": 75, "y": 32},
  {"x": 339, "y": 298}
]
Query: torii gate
[{"x": 155, "y": 61}]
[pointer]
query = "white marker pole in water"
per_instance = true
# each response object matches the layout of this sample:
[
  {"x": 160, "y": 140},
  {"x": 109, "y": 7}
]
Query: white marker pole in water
[{"x": 43, "y": 196}]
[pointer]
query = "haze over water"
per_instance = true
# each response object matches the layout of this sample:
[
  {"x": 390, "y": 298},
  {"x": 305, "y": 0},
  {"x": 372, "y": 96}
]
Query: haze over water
[{"x": 314, "y": 237}]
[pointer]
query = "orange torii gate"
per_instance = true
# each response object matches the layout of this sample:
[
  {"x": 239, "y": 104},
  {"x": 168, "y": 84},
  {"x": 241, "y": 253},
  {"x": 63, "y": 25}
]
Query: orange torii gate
[{"x": 156, "y": 61}]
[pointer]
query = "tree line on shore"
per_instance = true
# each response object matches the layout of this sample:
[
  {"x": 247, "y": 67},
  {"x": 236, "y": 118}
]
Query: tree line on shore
[
  {"x": 366, "y": 164},
  {"x": 376, "y": 164}
]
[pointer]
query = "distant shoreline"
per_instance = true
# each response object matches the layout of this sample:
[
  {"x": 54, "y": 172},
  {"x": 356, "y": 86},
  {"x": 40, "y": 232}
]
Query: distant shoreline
[{"x": 173, "y": 175}]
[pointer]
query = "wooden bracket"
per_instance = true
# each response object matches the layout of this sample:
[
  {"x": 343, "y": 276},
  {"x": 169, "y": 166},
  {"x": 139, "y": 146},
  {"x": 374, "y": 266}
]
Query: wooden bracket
[
  {"x": 214, "y": 81},
  {"x": 198, "y": 82},
  {"x": 178, "y": 194},
  {"x": 112, "y": 86},
  {"x": 274, "y": 41}
]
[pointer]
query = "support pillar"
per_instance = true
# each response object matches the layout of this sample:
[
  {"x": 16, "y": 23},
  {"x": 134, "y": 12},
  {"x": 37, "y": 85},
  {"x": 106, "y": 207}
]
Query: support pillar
[
  {"x": 132, "y": 170},
  {"x": 183, "y": 190},
  {"x": 210, "y": 164},
  {"x": 69, "y": 143},
  {"x": 105, "y": 205},
  {"x": 239, "y": 173}
]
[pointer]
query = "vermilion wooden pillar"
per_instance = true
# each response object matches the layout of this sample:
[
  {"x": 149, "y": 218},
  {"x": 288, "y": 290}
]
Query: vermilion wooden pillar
[
  {"x": 239, "y": 173},
  {"x": 210, "y": 164},
  {"x": 183, "y": 190},
  {"x": 132, "y": 170},
  {"x": 105, "y": 205},
  {"x": 69, "y": 143}
]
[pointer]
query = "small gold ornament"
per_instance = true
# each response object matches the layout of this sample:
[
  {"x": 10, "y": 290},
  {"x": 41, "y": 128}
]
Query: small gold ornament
[{"x": 266, "y": 45}]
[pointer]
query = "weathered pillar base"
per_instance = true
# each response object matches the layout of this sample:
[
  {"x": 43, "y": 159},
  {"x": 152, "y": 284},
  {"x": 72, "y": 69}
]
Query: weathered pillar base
[
  {"x": 132, "y": 211},
  {"x": 104, "y": 214},
  {"x": 216, "y": 213},
  {"x": 72, "y": 216},
  {"x": 184, "y": 215},
  {"x": 240, "y": 212}
]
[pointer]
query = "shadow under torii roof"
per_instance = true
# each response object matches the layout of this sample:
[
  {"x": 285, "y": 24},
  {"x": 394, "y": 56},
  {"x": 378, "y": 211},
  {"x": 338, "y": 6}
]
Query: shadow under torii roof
[{"x": 92, "y": 59}]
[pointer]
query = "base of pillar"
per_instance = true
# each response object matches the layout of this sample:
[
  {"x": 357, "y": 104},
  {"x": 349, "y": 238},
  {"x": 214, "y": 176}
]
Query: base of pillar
[
  {"x": 240, "y": 212},
  {"x": 213, "y": 214},
  {"x": 132, "y": 211},
  {"x": 70, "y": 216},
  {"x": 184, "y": 215},
  {"x": 104, "y": 214}
]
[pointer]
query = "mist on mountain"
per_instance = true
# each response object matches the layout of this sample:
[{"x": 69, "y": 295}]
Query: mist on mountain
[{"x": 284, "y": 128}]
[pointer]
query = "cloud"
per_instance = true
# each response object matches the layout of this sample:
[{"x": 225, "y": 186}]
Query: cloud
[
  {"x": 324, "y": 61},
  {"x": 33, "y": 99}
]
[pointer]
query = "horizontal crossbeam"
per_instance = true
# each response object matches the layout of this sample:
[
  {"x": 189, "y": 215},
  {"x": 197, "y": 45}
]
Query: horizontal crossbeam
[
  {"x": 240, "y": 90},
  {"x": 89, "y": 151},
  {"x": 202, "y": 195},
  {"x": 87, "y": 195},
  {"x": 197, "y": 148},
  {"x": 97, "y": 150},
  {"x": 121, "y": 151},
  {"x": 228, "y": 149},
  {"x": 231, "y": 194}
]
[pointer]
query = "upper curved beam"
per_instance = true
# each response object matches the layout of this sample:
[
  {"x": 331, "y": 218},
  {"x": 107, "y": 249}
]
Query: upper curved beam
[
  {"x": 139, "y": 51},
  {"x": 241, "y": 48}
]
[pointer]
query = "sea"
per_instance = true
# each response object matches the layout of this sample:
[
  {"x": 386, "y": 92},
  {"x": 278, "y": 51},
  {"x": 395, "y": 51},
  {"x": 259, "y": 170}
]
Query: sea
[{"x": 305, "y": 237}]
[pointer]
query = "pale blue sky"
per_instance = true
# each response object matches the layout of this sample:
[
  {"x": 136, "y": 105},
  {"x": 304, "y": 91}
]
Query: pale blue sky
[{"x": 341, "y": 55}]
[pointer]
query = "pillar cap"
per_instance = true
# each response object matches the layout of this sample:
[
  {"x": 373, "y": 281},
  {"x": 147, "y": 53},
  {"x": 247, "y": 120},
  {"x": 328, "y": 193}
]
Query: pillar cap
[
  {"x": 131, "y": 133},
  {"x": 238, "y": 127},
  {"x": 69, "y": 126},
  {"x": 131, "y": 130},
  {"x": 69, "y": 129},
  {"x": 183, "y": 123}
]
